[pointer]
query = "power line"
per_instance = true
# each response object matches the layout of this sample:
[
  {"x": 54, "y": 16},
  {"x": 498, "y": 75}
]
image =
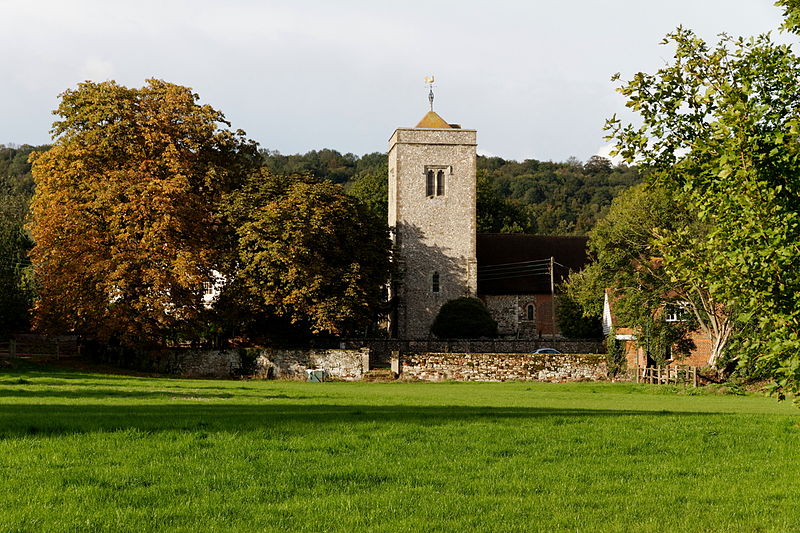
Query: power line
[
  {"x": 510, "y": 276},
  {"x": 505, "y": 265},
  {"x": 536, "y": 270},
  {"x": 516, "y": 273}
]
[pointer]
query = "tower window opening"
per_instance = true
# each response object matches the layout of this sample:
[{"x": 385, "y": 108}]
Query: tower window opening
[
  {"x": 530, "y": 312},
  {"x": 435, "y": 282},
  {"x": 434, "y": 181}
]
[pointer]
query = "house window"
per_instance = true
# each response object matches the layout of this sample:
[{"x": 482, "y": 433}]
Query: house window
[
  {"x": 435, "y": 282},
  {"x": 429, "y": 183},
  {"x": 208, "y": 288},
  {"x": 440, "y": 183},
  {"x": 530, "y": 312},
  {"x": 676, "y": 312}
]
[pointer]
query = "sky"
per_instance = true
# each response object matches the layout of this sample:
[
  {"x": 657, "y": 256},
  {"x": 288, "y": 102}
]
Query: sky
[{"x": 533, "y": 77}]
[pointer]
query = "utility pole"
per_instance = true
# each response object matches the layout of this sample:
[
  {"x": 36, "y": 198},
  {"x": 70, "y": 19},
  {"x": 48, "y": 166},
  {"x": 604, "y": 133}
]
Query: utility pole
[{"x": 553, "y": 295}]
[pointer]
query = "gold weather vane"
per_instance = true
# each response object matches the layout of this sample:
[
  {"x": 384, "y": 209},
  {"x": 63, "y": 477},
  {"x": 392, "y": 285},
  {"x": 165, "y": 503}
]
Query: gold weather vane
[{"x": 429, "y": 81}]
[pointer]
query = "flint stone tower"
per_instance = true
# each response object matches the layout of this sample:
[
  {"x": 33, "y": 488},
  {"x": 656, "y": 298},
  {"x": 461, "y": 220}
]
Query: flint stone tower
[{"x": 432, "y": 208}]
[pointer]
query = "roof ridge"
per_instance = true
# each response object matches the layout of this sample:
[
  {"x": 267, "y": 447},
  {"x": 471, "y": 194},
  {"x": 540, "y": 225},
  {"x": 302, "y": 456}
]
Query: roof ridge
[{"x": 534, "y": 235}]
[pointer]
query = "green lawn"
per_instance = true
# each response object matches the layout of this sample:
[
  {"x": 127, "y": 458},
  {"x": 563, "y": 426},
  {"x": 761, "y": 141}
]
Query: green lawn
[{"x": 81, "y": 452}]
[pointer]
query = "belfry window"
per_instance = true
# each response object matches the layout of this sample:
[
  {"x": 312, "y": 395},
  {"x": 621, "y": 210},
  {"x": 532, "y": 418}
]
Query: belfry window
[
  {"x": 435, "y": 282},
  {"x": 434, "y": 180},
  {"x": 429, "y": 183}
]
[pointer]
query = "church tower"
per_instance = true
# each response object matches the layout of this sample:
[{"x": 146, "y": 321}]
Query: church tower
[{"x": 432, "y": 208}]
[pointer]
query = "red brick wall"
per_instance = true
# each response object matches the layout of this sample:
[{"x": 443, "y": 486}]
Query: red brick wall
[{"x": 698, "y": 357}]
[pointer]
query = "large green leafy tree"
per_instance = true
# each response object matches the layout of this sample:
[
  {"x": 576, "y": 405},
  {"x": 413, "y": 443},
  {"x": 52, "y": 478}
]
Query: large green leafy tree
[
  {"x": 628, "y": 260},
  {"x": 124, "y": 216},
  {"x": 308, "y": 252},
  {"x": 720, "y": 125},
  {"x": 791, "y": 11}
]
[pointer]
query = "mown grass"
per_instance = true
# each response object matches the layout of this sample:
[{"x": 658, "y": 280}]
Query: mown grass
[{"x": 81, "y": 452}]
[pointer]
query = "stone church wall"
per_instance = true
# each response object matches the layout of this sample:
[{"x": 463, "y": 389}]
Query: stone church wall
[{"x": 510, "y": 313}]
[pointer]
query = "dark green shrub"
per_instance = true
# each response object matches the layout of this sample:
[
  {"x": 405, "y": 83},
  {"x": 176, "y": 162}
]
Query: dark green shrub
[{"x": 464, "y": 318}]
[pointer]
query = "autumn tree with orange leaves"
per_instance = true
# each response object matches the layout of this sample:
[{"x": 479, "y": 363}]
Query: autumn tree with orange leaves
[{"x": 124, "y": 216}]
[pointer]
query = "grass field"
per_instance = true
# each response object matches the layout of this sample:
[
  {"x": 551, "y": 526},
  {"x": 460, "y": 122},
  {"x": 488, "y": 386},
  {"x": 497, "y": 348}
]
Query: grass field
[{"x": 84, "y": 452}]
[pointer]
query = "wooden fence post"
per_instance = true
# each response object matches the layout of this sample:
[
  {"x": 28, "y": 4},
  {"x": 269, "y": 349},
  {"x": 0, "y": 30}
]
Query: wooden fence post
[{"x": 12, "y": 348}]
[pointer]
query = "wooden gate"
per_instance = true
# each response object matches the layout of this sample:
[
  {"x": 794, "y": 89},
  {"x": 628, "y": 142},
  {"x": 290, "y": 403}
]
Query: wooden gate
[{"x": 664, "y": 375}]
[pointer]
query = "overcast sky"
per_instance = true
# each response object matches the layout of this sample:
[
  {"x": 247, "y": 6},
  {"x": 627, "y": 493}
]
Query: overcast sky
[{"x": 531, "y": 76}]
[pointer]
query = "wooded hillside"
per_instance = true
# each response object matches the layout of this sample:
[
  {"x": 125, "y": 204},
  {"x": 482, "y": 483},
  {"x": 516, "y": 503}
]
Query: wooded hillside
[{"x": 531, "y": 196}]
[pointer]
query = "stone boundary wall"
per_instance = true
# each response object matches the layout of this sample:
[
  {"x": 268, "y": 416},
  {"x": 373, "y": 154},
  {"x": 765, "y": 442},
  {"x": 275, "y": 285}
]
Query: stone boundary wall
[
  {"x": 344, "y": 365},
  {"x": 381, "y": 349},
  {"x": 477, "y": 345},
  {"x": 263, "y": 363},
  {"x": 500, "y": 367}
]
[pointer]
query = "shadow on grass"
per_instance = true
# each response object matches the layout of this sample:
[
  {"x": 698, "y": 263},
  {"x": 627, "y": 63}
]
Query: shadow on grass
[
  {"x": 34, "y": 369},
  {"x": 90, "y": 393},
  {"x": 34, "y": 419}
]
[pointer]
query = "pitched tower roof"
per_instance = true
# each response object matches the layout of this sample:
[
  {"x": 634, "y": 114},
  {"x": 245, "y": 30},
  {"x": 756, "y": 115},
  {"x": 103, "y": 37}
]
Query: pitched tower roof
[{"x": 432, "y": 120}]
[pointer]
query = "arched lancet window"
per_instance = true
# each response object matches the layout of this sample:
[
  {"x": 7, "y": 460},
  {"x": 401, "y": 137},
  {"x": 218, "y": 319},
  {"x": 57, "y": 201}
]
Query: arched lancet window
[
  {"x": 435, "y": 282},
  {"x": 440, "y": 183},
  {"x": 530, "y": 312},
  {"x": 429, "y": 183}
]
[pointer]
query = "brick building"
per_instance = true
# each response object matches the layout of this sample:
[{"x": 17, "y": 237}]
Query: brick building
[
  {"x": 517, "y": 276},
  {"x": 635, "y": 355}
]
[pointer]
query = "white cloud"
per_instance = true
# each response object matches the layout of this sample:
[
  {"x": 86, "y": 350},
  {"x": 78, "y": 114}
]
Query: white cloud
[{"x": 605, "y": 151}]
